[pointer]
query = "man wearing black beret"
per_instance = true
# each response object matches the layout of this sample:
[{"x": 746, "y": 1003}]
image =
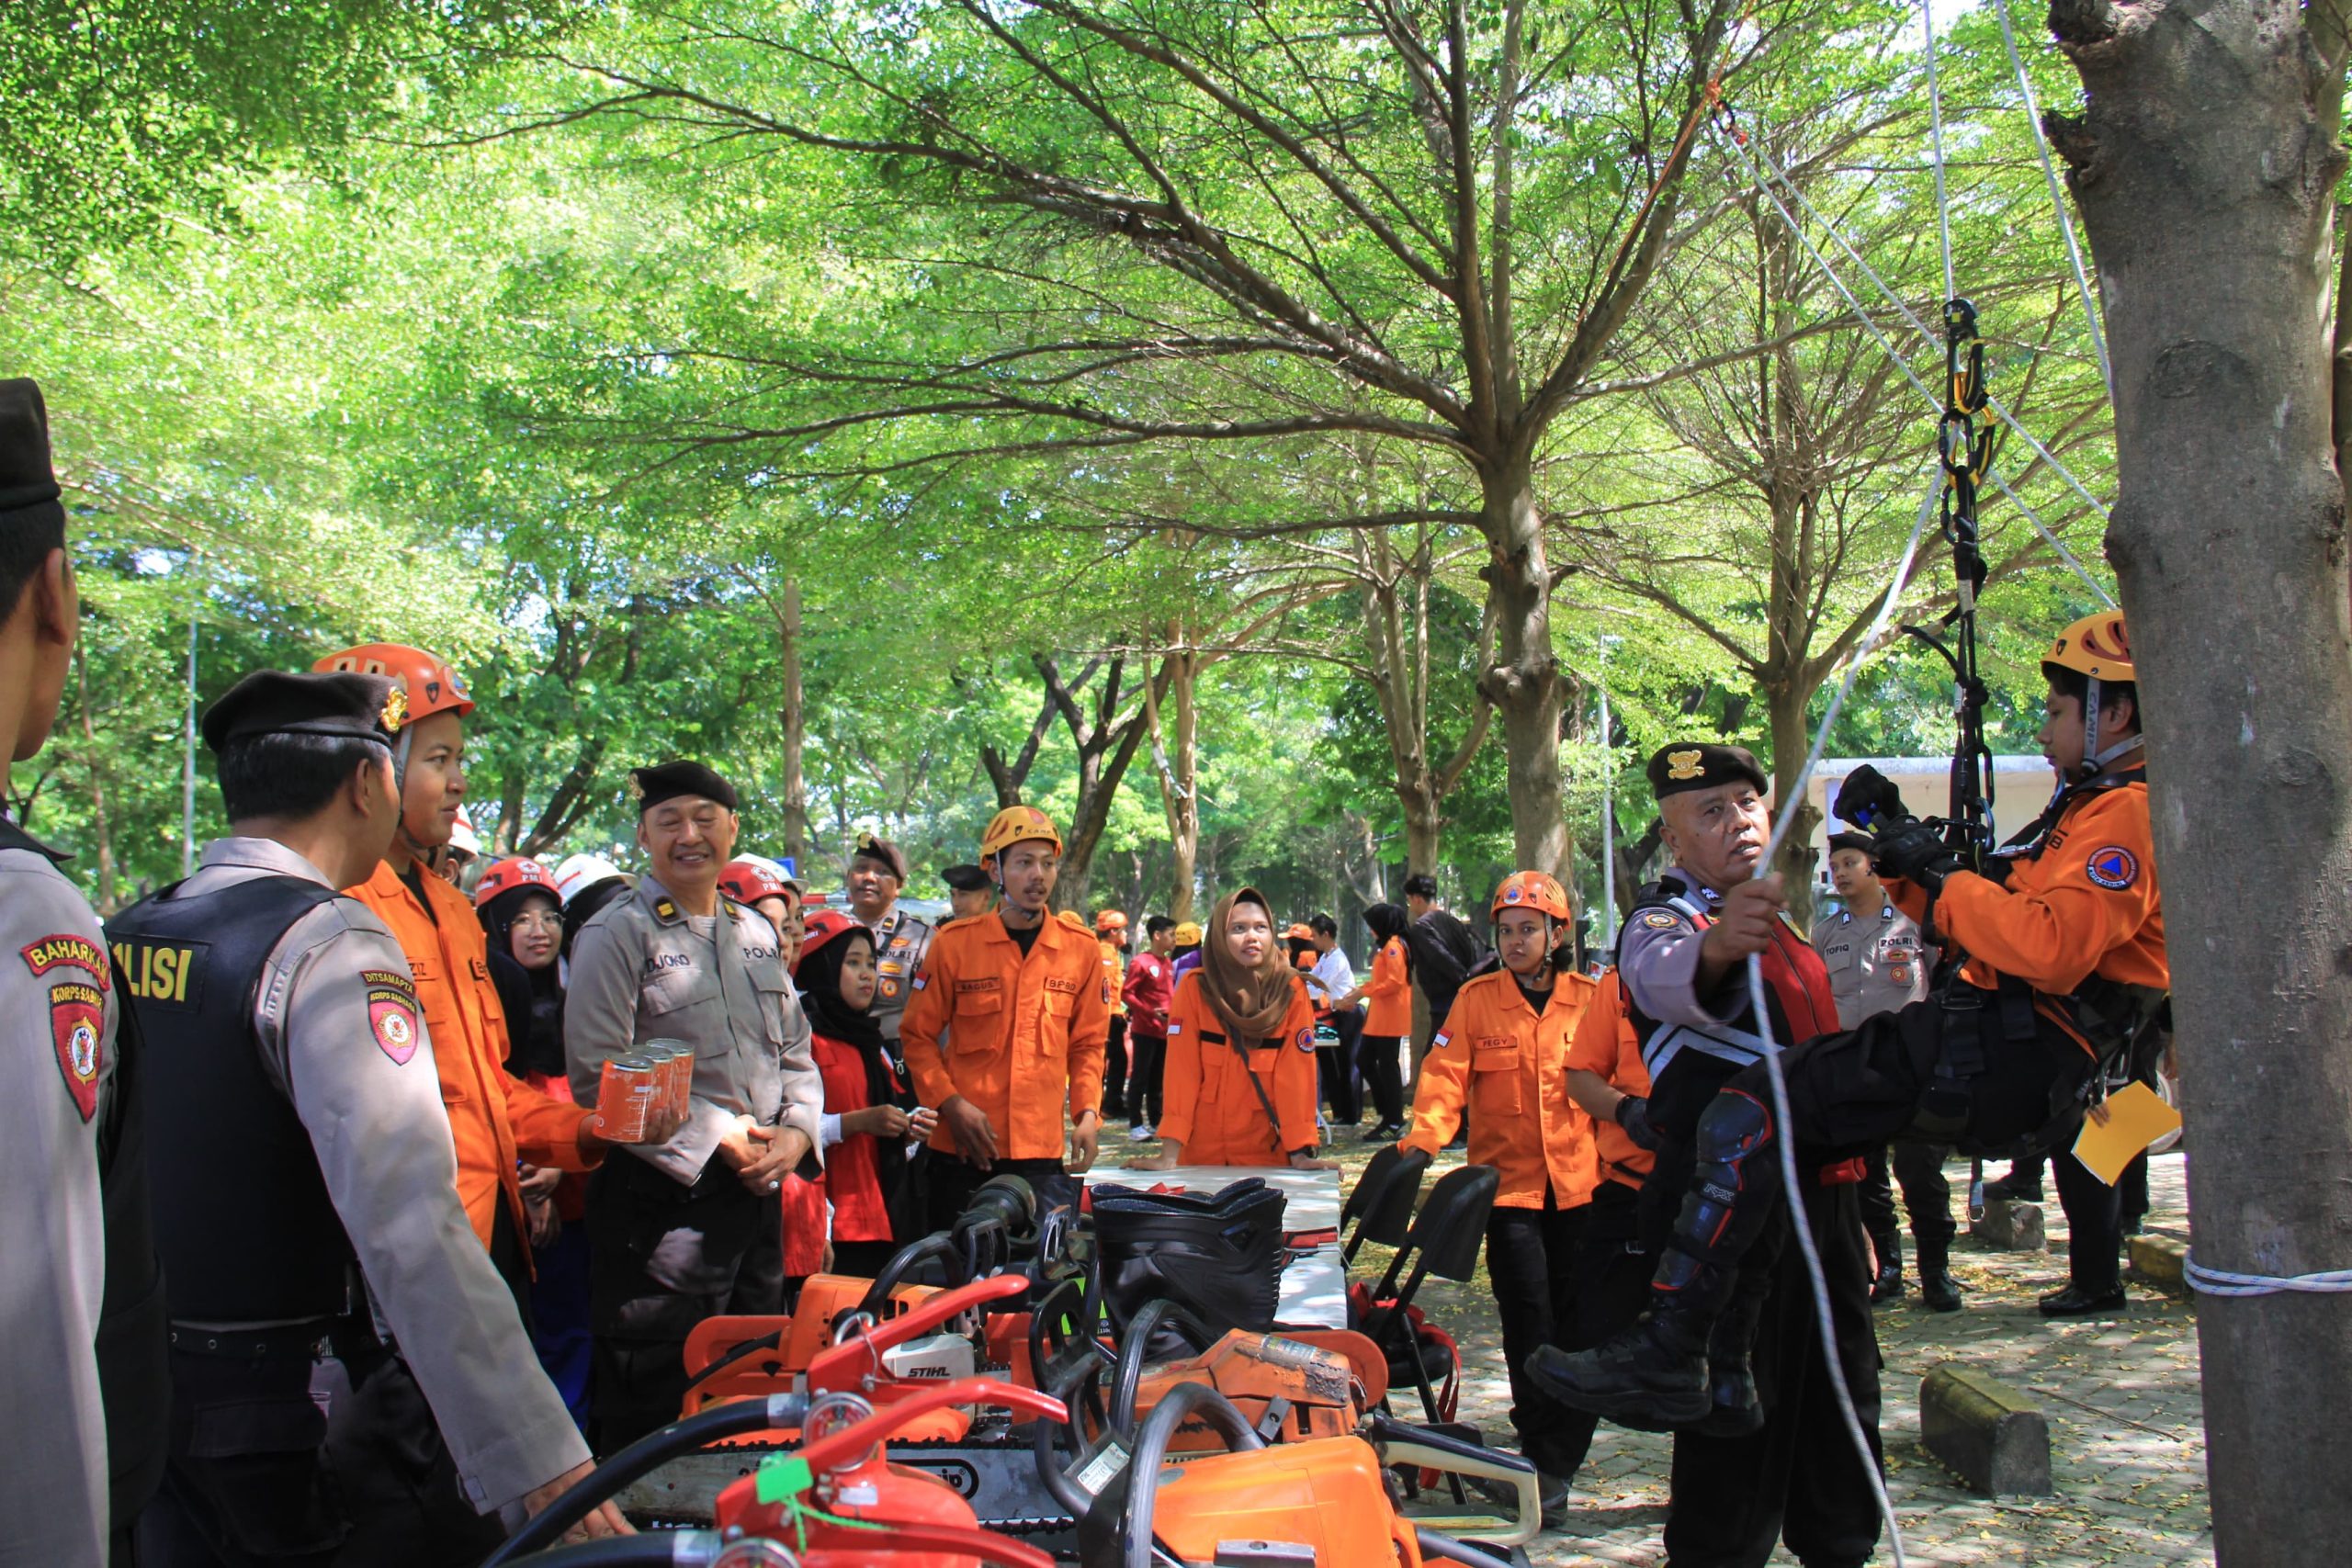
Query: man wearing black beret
[
  {"x": 877, "y": 870},
  {"x": 311, "y": 1184},
  {"x": 1683, "y": 960},
  {"x": 691, "y": 1228},
  {"x": 970, "y": 891}
]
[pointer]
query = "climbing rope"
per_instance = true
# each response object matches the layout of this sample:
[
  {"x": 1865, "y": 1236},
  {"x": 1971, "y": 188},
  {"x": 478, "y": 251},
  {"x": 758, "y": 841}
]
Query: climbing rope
[
  {"x": 1739, "y": 146},
  {"x": 2057, "y": 198},
  {"x": 1936, "y": 140},
  {"x": 2222, "y": 1282}
]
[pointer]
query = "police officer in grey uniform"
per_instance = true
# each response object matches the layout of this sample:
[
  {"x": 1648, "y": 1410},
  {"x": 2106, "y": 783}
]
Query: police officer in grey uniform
[
  {"x": 85, "y": 1391},
  {"x": 323, "y": 1285},
  {"x": 876, "y": 871},
  {"x": 1879, "y": 961},
  {"x": 691, "y": 1228}
]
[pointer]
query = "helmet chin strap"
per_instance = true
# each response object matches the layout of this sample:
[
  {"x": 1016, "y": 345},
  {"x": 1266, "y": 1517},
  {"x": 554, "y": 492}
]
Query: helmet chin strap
[{"x": 2095, "y": 762}]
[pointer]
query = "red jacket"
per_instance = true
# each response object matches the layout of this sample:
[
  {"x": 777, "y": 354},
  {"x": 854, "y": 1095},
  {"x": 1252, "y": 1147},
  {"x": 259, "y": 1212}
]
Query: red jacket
[{"x": 1150, "y": 991}]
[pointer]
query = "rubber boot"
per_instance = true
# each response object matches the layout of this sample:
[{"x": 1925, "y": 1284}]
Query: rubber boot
[{"x": 1937, "y": 1288}]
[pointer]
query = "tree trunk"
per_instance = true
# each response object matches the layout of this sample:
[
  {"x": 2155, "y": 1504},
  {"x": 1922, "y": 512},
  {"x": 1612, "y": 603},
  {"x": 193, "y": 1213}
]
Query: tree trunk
[
  {"x": 1523, "y": 682},
  {"x": 1180, "y": 786},
  {"x": 1791, "y": 741},
  {"x": 793, "y": 717},
  {"x": 2205, "y": 170}
]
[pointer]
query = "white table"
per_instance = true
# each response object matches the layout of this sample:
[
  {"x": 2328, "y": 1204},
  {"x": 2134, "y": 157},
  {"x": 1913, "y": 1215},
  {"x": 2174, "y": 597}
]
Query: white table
[{"x": 1315, "y": 1284}]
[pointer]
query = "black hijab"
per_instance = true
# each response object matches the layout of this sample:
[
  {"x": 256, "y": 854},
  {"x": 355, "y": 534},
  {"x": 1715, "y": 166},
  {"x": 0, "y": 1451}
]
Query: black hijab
[
  {"x": 818, "y": 975},
  {"x": 1387, "y": 921}
]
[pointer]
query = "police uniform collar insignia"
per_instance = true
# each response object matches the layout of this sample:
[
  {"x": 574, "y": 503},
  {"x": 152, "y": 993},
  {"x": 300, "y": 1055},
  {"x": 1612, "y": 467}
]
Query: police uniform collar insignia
[{"x": 665, "y": 910}]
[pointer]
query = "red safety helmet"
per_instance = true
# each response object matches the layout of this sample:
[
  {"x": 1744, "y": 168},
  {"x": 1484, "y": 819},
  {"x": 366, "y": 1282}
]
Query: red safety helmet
[
  {"x": 1111, "y": 920},
  {"x": 747, "y": 881},
  {"x": 513, "y": 873},
  {"x": 1536, "y": 890},
  {"x": 824, "y": 926}
]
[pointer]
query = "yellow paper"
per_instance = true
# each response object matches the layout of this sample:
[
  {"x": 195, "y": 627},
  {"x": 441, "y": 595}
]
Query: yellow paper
[{"x": 2137, "y": 1116}]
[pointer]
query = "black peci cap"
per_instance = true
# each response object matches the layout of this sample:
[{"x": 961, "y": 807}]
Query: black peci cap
[
  {"x": 667, "y": 781},
  {"x": 275, "y": 701},
  {"x": 1861, "y": 842},
  {"x": 965, "y": 878},
  {"x": 1681, "y": 766},
  {"x": 28, "y": 490}
]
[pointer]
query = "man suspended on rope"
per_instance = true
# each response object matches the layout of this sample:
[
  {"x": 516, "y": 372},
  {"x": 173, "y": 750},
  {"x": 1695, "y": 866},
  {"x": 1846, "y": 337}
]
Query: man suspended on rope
[{"x": 2065, "y": 966}]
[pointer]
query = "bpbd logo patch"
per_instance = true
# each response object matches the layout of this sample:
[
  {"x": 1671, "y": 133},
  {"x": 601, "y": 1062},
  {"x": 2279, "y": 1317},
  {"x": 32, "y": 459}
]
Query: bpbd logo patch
[{"x": 2113, "y": 867}]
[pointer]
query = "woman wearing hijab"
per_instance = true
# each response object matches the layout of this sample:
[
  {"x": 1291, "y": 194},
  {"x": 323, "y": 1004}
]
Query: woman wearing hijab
[
  {"x": 1388, "y": 1000},
  {"x": 1240, "y": 1077},
  {"x": 521, "y": 911},
  {"x": 864, "y": 1126}
]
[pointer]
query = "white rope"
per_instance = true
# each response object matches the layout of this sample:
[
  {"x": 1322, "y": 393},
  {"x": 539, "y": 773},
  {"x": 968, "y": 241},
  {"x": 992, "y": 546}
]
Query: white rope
[
  {"x": 1929, "y": 338},
  {"x": 2057, "y": 199},
  {"x": 1936, "y": 135},
  {"x": 1790, "y": 806},
  {"x": 2222, "y": 1282},
  {"x": 1894, "y": 356}
]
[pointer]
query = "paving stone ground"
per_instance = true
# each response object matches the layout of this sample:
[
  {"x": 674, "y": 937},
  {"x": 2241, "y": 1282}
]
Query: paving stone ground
[{"x": 2127, "y": 1439}]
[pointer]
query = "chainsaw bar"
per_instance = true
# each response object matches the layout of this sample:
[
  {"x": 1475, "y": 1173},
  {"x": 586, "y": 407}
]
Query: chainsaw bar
[{"x": 999, "y": 1480}]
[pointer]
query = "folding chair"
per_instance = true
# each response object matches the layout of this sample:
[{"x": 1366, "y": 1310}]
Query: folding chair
[
  {"x": 1382, "y": 1204},
  {"x": 1444, "y": 1241}
]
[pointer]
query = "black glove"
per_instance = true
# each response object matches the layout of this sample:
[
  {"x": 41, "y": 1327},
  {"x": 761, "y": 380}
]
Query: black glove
[
  {"x": 1915, "y": 851},
  {"x": 1868, "y": 798},
  {"x": 1633, "y": 1115}
]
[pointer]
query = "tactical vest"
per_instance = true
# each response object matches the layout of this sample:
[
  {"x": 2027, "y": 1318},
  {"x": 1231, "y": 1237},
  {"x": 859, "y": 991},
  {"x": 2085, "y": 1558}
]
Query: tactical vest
[
  {"x": 895, "y": 969},
  {"x": 248, "y": 1232},
  {"x": 134, "y": 1373},
  {"x": 1796, "y": 992}
]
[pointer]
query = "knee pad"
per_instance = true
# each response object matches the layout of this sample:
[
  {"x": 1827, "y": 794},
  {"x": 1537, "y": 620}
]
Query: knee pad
[{"x": 1734, "y": 1125}]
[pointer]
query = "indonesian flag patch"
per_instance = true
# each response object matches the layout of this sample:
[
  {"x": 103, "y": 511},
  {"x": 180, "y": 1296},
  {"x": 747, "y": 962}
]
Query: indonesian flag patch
[{"x": 77, "y": 1019}]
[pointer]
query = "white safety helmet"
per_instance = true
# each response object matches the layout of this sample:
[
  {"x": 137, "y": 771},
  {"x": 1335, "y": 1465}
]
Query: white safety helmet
[{"x": 577, "y": 873}]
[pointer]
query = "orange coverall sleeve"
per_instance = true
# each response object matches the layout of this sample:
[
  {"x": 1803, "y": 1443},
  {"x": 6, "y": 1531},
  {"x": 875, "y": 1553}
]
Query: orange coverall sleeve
[
  {"x": 2063, "y": 913},
  {"x": 921, "y": 1025},
  {"x": 546, "y": 1130},
  {"x": 1444, "y": 1086},
  {"x": 1179, "y": 1078}
]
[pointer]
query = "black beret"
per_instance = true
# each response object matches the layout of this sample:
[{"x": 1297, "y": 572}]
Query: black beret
[
  {"x": 965, "y": 878},
  {"x": 1861, "y": 842},
  {"x": 872, "y": 846},
  {"x": 274, "y": 702},
  {"x": 667, "y": 781},
  {"x": 28, "y": 481},
  {"x": 1685, "y": 765}
]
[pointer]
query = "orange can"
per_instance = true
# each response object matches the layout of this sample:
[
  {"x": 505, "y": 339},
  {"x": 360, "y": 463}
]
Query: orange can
[
  {"x": 628, "y": 1091},
  {"x": 676, "y": 1060}
]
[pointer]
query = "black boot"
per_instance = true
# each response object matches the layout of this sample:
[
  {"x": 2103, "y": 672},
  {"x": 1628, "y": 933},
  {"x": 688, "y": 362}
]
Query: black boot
[
  {"x": 1733, "y": 1410},
  {"x": 1651, "y": 1377},
  {"x": 1937, "y": 1288},
  {"x": 1888, "y": 1285}
]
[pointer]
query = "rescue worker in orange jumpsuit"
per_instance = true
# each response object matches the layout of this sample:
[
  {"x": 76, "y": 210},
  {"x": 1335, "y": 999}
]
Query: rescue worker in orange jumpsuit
[
  {"x": 1386, "y": 997},
  {"x": 1501, "y": 1052},
  {"x": 500, "y": 1122},
  {"x": 1004, "y": 1032},
  {"x": 1239, "y": 1075},
  {"x": 1111, "y": 931},
  {"x": 2066, "y": 970}
]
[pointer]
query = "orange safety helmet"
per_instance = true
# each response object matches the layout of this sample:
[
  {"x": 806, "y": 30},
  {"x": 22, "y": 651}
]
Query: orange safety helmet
[
  {"x": 747, "y": 881},
  {"x": 2098, "y": 649},
  {"x": 1015, "y": 825},
  {"x": 1111, "y": 920},
  {"x": 824, "y": 926},
  {"x": 1537, "y": 890},
  {"x": 430, "y": 684},
  {"x": 515, "y": 871}
]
